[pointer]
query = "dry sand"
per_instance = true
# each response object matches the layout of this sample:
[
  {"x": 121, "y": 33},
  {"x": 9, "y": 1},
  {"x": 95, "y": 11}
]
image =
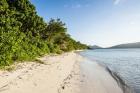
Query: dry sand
[{"x": 66, "y": 73}]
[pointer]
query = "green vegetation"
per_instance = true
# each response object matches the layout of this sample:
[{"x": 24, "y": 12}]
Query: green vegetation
[{"x": 24, "y": 35}]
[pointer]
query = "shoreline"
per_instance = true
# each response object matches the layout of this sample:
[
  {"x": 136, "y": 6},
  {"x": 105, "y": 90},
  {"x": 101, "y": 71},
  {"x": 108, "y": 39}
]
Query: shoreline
[
  {"x": 59, "y": 74},
  {"x": 121, "y": 83}
]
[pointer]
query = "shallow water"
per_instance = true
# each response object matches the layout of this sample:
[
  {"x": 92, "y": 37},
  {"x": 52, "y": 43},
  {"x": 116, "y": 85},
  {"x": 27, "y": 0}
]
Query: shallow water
[
  {"x": 125, "y": 62},
  {"x": 96, "y": 79}
]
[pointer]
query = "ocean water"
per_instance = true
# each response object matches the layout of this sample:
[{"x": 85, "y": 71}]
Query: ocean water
[{"x": 125, "y": 62}]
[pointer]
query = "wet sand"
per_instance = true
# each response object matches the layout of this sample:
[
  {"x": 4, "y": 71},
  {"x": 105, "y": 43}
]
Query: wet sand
[{"x": 91, "y": 78}]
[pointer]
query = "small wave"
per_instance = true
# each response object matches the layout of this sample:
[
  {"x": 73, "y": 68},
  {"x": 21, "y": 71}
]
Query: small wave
[{"x": 121, "y": 83}]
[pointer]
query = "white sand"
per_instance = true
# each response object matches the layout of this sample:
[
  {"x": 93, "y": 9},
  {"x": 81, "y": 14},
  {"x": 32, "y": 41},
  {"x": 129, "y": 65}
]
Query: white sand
[{"x": 60, "y": 74}]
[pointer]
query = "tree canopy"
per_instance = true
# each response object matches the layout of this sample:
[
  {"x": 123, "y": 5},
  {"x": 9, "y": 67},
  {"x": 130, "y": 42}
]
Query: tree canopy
[{"x": 24, "y": 35}]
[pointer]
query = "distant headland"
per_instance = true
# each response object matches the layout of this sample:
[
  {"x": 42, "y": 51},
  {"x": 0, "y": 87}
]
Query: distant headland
[{"x": 127, "y": 45}]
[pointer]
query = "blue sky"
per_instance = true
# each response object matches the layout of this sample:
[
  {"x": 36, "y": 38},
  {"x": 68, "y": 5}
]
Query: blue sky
[{"x": 95, "y": 22}]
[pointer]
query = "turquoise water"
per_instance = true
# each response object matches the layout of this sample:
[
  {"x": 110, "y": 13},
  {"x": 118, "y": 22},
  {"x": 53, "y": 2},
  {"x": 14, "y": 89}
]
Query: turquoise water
[{"x": 125, "y": 62}]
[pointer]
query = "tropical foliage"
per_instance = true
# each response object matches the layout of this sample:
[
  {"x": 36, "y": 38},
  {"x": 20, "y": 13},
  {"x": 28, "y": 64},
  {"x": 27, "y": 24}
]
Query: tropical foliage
[{"x": 24, "y": 35}]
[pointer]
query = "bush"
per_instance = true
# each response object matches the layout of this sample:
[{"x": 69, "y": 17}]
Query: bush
[{"x": 24, "y": 35}]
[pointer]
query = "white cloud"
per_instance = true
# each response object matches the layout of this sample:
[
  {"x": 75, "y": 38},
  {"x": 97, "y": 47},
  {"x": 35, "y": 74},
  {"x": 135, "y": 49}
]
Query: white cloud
[
  {"x": 116, "y": 2},
  {"x": 74, "y": 6},
  {"x": 77, "y": 6}
]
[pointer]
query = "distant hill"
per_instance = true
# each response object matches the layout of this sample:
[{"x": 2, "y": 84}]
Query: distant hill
[
  {"x": 128, "y": 45},
  {"x": 95, "y": 47}
]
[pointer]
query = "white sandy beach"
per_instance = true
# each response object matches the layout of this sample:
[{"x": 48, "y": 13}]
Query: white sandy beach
[{"x": 66, "y": 73}]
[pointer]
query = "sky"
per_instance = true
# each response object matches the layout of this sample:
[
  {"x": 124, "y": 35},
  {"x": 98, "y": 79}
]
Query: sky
[{"x": 95, "y": 22}]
